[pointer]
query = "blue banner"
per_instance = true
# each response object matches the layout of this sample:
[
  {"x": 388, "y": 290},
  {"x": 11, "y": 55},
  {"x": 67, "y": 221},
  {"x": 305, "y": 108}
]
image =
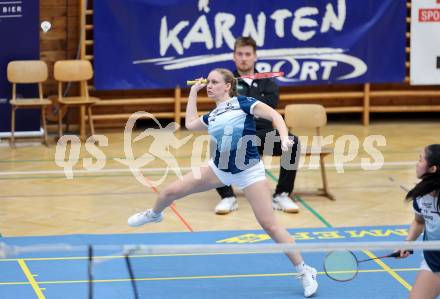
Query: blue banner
[
  {"x": 19, "y": 40},
  {"x": 162, "y": 43}
]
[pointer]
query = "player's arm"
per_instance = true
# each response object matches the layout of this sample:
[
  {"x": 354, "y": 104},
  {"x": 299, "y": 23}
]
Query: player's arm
[
  {"x": 192, "y": 119},
  {"x": 416, "y": 228},
  {"x": 263, "y": 110}
]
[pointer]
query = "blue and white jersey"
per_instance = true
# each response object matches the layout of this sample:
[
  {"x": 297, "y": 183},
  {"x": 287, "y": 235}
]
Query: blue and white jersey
[
  {"x": 426, "y": 206},
  {"x": 232, "y": 128}
]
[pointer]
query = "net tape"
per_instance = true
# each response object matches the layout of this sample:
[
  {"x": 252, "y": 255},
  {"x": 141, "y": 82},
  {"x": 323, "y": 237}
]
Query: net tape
[{"x": 7, "y": 251}]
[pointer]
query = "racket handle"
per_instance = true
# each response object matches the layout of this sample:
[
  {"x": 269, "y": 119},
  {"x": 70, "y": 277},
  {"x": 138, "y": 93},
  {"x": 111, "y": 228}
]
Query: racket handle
[
  {"x": 397, "y": 253},
  {"x": 192, "y": 82}
]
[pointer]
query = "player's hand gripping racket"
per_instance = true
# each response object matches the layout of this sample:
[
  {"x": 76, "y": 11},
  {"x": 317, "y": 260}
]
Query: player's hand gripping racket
[
  {"x": 255, "y": 76},
  {"x": 343, "y": 265}
]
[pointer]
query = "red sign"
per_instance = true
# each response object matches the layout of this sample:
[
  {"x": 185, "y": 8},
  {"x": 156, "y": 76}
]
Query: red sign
[{"x": 429, "y": 14}]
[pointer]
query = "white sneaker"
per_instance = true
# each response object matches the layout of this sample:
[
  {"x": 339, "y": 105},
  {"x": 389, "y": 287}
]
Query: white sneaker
[
  {"x": 283, "y": 202},
  {"x": 226, "y": 205},
  {"x": 144, "y": 217},
  {"x": 308, "y": 280}
]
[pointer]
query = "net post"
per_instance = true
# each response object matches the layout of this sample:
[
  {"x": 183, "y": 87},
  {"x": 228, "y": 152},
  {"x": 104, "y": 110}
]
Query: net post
[
  {"x": 90, "y": 271},
  {"x": 130, "y": 272}
]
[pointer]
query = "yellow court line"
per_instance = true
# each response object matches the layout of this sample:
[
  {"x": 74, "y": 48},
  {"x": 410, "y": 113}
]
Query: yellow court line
[
  {"x": 31, "y": 279},
  {"x": 14, "y": 283},
  {"x": 389, "y": 270},
  {"x": 195, "y": 277}
]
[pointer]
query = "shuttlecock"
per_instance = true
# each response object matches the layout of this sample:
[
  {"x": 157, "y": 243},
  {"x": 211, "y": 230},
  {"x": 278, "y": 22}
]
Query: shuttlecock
[{"x": 45, "y": 26}]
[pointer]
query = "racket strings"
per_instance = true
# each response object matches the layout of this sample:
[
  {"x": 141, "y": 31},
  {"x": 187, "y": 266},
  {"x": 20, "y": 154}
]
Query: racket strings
[{"x": 343, "y": 265}]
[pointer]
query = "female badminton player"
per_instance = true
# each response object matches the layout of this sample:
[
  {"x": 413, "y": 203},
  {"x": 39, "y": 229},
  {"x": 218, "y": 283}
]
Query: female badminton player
[
  {"x": 426, "y": 203},
  {"x": 236, "y": 161}
]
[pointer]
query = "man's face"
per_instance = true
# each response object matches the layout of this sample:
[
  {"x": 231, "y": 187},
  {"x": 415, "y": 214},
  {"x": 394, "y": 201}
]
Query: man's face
[{"x": 245, "y": 58}]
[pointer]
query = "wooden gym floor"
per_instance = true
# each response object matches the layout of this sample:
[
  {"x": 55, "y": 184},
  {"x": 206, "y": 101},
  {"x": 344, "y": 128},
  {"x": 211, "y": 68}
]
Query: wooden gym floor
[{"x": 37, "y": 198}]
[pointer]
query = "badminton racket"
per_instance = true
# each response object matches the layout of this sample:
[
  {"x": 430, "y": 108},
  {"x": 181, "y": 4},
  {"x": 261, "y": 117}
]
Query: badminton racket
[
  {"x": 343, "y": 265},
  {"x": 255, "y": 76}
]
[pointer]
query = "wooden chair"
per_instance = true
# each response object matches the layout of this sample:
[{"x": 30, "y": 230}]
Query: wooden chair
[
  {"x": 75, "y": 71},
  {"x": 311, "y": 116},
  {"x": 28, "y": 72}
]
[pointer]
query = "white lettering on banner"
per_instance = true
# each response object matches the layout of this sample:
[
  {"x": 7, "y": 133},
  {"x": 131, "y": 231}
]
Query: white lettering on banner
[
  {"x": 429, "y": 15},
  {"x": 301, "y": 21},
  {"x": 279, "y": 16},
  {"x": 199, "y": 33},
  {"x": 204, "y": 5},
  {"x": 332, "y": 20},
  {"x": 12, "y": 9},
  {"x": 223, "y": 23},
  {"x": 170, "y": 38},
  {"x": 303, "y": 27},
  {"x": 250, "y": 30},
  {"x": 298, "y": 64}
]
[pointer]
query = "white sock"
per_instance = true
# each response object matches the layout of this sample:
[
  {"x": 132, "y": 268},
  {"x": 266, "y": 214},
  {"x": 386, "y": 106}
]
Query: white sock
[
  {"x": 154, "y": 214},
  {"x": 300, "y": 267}
]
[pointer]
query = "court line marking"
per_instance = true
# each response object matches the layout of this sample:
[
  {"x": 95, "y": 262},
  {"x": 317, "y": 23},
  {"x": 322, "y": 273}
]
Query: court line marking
[
  {"x": 313, "y": 211},
  {"x": 31, "y": 279},
  {"x": 161, "y": 169},
  {"x": 194, "y": 277},
  {"x": 57, "y": 195},
  {"x": 88, "y": 176},
  {"x": 143, "y": 193},
  {"x": 35, "y": 284},
  {"x": 396, "y": 182},
  {"x": 173, "y": 206},
  {"x": 118, "y": 256},
  {"x": 173, "y": 156},
  {"x": 387, "y": 269}
]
